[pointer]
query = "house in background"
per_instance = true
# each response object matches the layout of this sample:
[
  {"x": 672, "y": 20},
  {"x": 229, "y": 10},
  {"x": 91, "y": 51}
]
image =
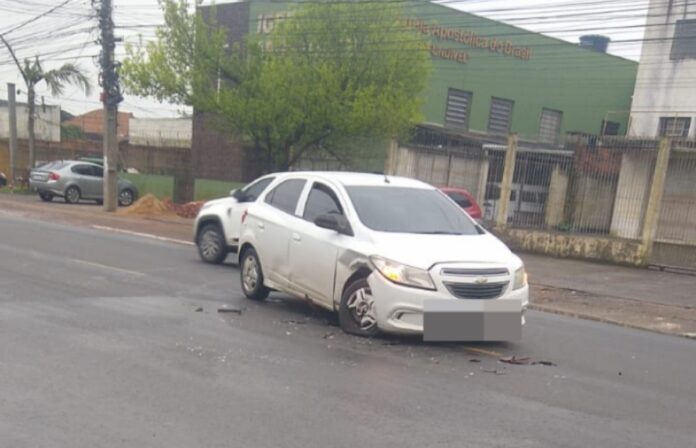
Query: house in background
[
  {"x": 664, "y": 100},
  {"x": 46, "y": 127},
  {"x": 92, "y": 124}
]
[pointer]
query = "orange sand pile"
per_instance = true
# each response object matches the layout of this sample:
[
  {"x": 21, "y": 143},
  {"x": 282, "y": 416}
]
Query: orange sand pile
[{"x": 147, "y": 205}]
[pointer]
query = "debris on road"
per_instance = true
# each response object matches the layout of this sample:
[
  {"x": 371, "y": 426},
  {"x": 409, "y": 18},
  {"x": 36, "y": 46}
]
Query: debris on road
[
  {"x": 474, "y": 360},
  {"x": 293, "y": 322},
  {"x": 226, "y": 309},
  {"x": 544, "y": 363},
  {"x": 516, "y": 361},
  {"x": 496, "y": 371},
  {"x": 188, "y": 210},
  {"x": 329, "y": 335},
  {"x": 199, "y": 309}
]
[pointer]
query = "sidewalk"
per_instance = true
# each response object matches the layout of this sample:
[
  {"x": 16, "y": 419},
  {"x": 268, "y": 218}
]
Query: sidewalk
[{"x": 652, "y": 300}]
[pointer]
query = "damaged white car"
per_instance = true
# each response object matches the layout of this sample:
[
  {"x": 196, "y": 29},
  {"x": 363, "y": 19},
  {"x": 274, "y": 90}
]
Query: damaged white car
[{"x": 386, "y": 253}]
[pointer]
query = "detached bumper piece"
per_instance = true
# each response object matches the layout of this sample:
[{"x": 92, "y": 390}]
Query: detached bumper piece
[{"x": 464, "y": 320}]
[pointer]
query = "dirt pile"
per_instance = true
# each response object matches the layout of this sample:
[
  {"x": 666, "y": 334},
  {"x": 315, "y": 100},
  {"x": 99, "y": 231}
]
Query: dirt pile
[{"x": 148, "y": 205}]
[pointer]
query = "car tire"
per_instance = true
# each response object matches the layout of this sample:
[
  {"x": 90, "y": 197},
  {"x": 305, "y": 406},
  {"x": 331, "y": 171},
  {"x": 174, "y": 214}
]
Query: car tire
[
  {"x": 46, "y": 196},
  {"x": 356, "y": 314},
  {"x": 126, "y": 197},
  {"x": 211, "y": 244},
  {"x": 72, "y": 195},
  {"x": 251, "y": 276}
]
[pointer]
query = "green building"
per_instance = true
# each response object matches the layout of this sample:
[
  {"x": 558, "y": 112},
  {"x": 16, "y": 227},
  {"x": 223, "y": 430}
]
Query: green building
[
  {"x": 493, "y": 78},
  {"x": 489, "y": 79}
]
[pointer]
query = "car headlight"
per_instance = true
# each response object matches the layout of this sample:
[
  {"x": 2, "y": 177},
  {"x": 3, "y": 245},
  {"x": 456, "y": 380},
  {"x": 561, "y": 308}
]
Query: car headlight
[
  {"x": 403, "y": 275},
  {"x": 520, "y": 279}
]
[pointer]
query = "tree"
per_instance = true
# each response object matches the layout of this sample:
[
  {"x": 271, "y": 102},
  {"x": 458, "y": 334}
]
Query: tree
[
  {"x": 330, "y": 72},
  {"x": 33, "y": 73}
]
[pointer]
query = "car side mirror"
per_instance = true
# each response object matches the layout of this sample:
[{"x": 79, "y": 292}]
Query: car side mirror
[
  {"x": 335, "y": 222},
  {"x": 239, "y": 195}
]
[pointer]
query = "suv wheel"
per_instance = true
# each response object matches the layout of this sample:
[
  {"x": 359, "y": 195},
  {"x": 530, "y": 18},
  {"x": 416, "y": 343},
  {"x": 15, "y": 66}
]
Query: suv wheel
[
  {"x": 72, "y": 195},
  {"x": 357, "y": 311},
  {"x": 211, "y": 244},
  {"x": 46, "y": 196},
  {"x": 252, "y": 276}
]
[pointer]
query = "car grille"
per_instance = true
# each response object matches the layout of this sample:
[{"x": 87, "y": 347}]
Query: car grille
[
  {"x": 483, "y": 291},
  {"x": 475, "y": 272}
]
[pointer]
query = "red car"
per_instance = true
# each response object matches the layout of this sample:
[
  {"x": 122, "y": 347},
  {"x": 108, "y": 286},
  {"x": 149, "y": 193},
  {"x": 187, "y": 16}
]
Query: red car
[{"x": 465, "y": 200}]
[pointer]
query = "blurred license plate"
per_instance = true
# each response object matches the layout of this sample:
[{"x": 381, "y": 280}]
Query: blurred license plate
[{"x": 472, "y": 320}]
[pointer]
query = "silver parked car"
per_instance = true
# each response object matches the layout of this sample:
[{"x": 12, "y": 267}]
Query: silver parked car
[{"x": 77, "y": 180}]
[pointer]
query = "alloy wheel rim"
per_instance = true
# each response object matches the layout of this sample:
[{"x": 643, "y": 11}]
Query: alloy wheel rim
[
  {"x": 126, "y": 197},
  {"x": 362, "y": 308},
  {"x": 73, "y": 195},
  {"x": 250, "y": 275}
]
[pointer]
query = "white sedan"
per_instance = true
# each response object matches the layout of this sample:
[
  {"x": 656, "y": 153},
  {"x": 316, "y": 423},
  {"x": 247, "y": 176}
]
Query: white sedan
[{"x": 388, "y": 254}]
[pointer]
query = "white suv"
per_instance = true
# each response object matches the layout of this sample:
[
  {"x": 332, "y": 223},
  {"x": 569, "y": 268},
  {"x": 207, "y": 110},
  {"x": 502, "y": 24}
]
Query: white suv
[
  {"x": 388, "y": 254},
  {"x": 216, "y": 228}
]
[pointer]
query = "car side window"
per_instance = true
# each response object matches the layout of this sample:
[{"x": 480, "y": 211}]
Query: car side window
[
  {"x": 97, "y": 171},
  {"x": 460, "y": 199},
  {"x": 286, "y": 195},
  {"x": 83, "y": 170},
  {"x": 321, "y": 200},
  {"x": 253, "y": 191}
]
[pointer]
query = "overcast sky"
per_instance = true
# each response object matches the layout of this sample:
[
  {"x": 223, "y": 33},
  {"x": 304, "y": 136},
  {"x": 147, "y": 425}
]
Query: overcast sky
[{"x": 68, "y": 35}]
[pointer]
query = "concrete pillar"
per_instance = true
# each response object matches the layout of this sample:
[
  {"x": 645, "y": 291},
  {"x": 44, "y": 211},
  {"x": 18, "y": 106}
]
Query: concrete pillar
[
  {"x": 556, "y": 199},
  {"x": 632, "y": 194},
  {"x": 483, "y": 178},
  {"x": 657, "y": 191},
  {"x": 392, "y": 162},
  {"x": 506, "y": 183}
]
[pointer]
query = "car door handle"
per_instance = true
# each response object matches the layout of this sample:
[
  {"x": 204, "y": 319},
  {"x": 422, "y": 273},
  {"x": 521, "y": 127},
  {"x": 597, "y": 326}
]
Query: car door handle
[
  {"x": 261, "y": 225},
  {"x": 296, "y": 237}
]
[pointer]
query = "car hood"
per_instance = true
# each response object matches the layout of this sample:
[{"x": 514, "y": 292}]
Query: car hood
[{"x": 424, "y": 251}]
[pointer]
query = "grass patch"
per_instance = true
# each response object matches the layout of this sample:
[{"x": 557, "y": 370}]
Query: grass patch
[
  {"x": 16, "y": 190},
  {"x": 163, "y": 186}
]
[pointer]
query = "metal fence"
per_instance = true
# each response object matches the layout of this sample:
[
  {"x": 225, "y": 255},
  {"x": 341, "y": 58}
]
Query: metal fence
[{"x": 590, "y": 186}]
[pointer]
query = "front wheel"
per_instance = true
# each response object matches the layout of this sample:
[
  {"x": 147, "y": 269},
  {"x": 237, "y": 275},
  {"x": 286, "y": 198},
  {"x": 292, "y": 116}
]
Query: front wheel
[
  {"x": 252, "y": 276},
  {"x": 211, "y": 244},
  {"x": 357, "y": 313},
  {"x": 46, "y": 196}
]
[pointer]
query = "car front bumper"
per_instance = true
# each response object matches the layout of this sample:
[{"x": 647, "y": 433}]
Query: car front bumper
[{"x": 439, "y": 316}]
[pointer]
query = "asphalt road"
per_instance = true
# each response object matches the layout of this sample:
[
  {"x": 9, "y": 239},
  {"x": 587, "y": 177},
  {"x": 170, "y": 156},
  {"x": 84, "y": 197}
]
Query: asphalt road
[{"x": 101, "y": 346}]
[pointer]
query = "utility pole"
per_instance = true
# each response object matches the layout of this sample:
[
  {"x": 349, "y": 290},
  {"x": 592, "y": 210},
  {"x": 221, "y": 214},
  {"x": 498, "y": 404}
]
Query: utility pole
[
  {"x": 12, "y": 112},
  {"x": 111, "y": 96}
]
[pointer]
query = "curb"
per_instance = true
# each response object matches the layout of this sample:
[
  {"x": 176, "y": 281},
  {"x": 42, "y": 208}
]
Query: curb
[{"x": 604, "y": 320}]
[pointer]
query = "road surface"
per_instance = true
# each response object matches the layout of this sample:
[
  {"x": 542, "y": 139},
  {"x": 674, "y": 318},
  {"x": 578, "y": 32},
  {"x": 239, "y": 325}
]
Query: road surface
[{"x": 103, "y": 343}]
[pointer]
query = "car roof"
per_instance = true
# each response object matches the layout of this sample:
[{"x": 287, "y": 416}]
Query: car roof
[{"x": 363, "y": 179}]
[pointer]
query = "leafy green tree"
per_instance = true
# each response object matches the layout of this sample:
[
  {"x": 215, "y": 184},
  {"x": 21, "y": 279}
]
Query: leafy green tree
[{"x": 329, "y": 73}]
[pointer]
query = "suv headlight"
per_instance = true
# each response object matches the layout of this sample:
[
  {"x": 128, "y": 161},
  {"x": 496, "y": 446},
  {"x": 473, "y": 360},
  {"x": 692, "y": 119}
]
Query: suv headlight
[
  {"x": 403, "y": 275},
  {"x": 520, "y": 279}
]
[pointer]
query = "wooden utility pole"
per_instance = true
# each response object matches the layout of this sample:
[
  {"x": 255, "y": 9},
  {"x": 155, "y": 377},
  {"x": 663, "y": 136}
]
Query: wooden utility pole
[
  {"x": 12, "y": 113},
  {"x": 111, "y": 96}
]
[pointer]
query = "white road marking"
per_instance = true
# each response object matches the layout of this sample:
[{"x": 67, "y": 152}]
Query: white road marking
[
  {"x": 104, "y": 266},
  {"x": 144, "y": 235}
]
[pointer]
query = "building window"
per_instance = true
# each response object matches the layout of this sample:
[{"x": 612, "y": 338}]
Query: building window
[
  {"x": 684, "y": 43},
  {"x": 500, "y": 116},
  {"x": 674, "y": 127},
  {"x": 550, "y": 126},
  {"x": 458, "y": 108},
  {"x": 610, "y": 127}
]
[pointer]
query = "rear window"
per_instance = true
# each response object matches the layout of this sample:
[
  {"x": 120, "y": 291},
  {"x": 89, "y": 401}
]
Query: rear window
[
  {"x": 460, "y": 199},
  {"x": 55, "y": 165},
  {"x": 409, "y": 210}
]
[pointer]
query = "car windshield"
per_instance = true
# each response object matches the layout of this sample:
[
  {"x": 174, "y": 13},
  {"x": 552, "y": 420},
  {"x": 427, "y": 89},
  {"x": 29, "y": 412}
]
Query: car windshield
[{"x": 409, "y": 210}]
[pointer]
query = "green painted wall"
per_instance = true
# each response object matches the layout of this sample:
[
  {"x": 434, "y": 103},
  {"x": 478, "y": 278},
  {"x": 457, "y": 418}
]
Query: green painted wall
[{"x": 586, "y": 86}]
